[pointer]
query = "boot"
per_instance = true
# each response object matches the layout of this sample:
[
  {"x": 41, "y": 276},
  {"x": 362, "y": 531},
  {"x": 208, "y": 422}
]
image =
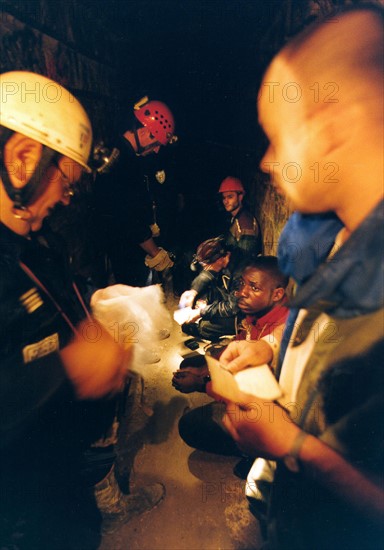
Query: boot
[{"x": 116, "y": 508}]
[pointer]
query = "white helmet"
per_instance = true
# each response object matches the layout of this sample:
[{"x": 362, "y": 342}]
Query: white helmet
[{"x": 45, "y": 111}]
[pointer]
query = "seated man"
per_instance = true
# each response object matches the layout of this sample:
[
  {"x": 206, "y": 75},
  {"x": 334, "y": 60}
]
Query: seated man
[
  {"x": 261, "y": 299},
  {"x": 244, "y": 234},
  {"x": 211, "y": 300}
]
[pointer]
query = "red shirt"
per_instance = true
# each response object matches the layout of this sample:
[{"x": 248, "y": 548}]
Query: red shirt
[{"x": 254, "y": 328}]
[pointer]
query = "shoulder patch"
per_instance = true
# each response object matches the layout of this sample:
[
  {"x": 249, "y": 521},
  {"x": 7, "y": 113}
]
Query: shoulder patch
[
  {"x": 31, "y": 300},
  {"x": 40, "y": 349}
]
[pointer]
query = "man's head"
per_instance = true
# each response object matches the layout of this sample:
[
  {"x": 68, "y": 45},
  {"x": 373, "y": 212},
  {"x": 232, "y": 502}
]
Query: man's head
[
  {"x": 232, "y": 194},
  {"x": 45, "y": 140},
  {"x": 320, "y": 105},
  {"x": 261, "y": 286},
  {"x": 154, "y": 126},
  {"x": 213, "y": 254}
]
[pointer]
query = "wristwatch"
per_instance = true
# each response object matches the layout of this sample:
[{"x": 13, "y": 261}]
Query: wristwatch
[{"x": 291, "y": 460}]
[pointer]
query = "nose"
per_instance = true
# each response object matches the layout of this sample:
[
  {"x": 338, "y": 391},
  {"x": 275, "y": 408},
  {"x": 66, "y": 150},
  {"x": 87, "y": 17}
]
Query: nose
[{"x": 243, "y": 292}]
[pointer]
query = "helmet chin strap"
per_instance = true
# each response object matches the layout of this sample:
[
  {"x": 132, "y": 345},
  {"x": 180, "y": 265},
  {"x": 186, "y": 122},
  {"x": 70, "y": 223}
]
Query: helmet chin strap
[
  {"x": 140, "y": 148},
  {"x": 21, "y": 197}
]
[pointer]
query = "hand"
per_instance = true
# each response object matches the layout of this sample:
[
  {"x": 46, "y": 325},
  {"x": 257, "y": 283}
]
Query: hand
[
  {"x": 194, "y": 315},
  {"x": 242, "y": 354},
  {"x": 187, "y": 298},
  {"x": 160, "y": 261},
  {"x": 96, "y": 365},
  {"x": 189, "y": 380},
  {"x": 260, "y": 428}
]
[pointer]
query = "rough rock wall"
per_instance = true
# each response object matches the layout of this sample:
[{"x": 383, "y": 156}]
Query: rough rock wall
[
  {"x": 61, "y": 40},
  {"x": 64, "y": 40}
]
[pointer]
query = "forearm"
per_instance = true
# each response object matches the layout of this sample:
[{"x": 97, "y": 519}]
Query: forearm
[
  {"x": 330, "y": 469},
  {"x": 150, "y": 247},
  {"x": 222, "y": 308},
  {"x": 202, "y": 282},
  {"x": 261, "y": 428}
]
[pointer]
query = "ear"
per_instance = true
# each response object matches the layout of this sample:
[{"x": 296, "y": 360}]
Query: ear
[
  {"x": 21, "y": 155},
  {"x": 278, "y": 294}
]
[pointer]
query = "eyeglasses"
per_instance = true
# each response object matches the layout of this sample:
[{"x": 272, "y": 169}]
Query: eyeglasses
[{"x": 68, "y": 186}]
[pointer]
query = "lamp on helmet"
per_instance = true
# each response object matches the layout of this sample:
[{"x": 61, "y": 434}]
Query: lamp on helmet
[{"x": 103, "y": 158}]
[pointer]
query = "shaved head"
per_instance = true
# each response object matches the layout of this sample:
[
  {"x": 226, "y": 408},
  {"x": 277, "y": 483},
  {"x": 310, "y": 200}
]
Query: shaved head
[{"x": 320, "y": 105}]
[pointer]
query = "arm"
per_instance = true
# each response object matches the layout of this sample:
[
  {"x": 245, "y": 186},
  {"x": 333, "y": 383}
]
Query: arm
[
  {"x": 90, "y": 368},
  {"x": 227, "y": 307},
  {"x": 96, "y": 366},
  {"x": 264, "y": 429},
  {"x": 150, "y": 247},
  {"x": 156, "y": 258}
]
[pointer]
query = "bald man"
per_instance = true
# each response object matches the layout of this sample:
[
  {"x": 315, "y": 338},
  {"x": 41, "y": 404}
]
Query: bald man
[{"x": 320, "y": 105}]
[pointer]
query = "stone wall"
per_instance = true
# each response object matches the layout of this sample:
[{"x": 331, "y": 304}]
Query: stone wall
[
  {"x": 63, "y": 40},
  {"x": 271, "y": 210}
]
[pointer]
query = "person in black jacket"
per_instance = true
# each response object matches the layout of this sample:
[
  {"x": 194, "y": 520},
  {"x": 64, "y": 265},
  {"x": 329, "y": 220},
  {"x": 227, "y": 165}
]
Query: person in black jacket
[
  {"x": 211, "y": 299},
  {"x": 123, "y": 203}
]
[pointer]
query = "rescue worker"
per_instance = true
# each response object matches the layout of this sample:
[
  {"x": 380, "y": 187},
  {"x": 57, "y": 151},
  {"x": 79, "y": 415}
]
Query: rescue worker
[
  {"x": 244, "y": 232},
  {"x": 123, "y": 203},
  {"x": 58, "y": 365}
]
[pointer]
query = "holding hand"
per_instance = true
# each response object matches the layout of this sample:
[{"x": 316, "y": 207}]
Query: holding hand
[
  {"x": 261, "y": 428},
  {"x": 242, "y": 354},
  {"x": 160, "y": 262},
  {"x": 96, "y": 365},
  {"x": 187, "y": 298}
]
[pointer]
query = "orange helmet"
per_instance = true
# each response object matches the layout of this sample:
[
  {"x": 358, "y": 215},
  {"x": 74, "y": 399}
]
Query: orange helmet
[{"x": 231, "y": 184}]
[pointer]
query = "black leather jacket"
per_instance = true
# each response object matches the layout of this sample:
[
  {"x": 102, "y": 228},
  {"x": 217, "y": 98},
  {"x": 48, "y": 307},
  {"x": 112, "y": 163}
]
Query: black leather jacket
[{"x": 218, "y": 290}]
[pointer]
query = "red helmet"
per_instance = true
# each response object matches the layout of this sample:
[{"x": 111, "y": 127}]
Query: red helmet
[
  {"x": 231, "y": 184},
  {"x": 157, "y": 117}
]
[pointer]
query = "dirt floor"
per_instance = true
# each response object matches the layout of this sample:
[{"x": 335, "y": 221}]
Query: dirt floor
[{"x": 204, "y": 507}]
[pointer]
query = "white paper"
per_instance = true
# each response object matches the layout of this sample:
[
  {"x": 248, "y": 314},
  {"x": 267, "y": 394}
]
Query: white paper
[
  {"x": 182, "y": 315},
  {"x": 258, "y": 381}
]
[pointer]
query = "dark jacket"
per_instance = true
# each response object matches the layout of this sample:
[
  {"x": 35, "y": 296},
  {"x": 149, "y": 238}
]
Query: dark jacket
[
  {"x": 340, "y": 395},
  {"x": 122, "y": 201},
  {"x": 219, "y": 292}
]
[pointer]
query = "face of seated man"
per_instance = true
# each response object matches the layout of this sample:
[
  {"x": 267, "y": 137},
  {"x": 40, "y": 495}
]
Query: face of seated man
[{"x": 257, "y": 292}]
